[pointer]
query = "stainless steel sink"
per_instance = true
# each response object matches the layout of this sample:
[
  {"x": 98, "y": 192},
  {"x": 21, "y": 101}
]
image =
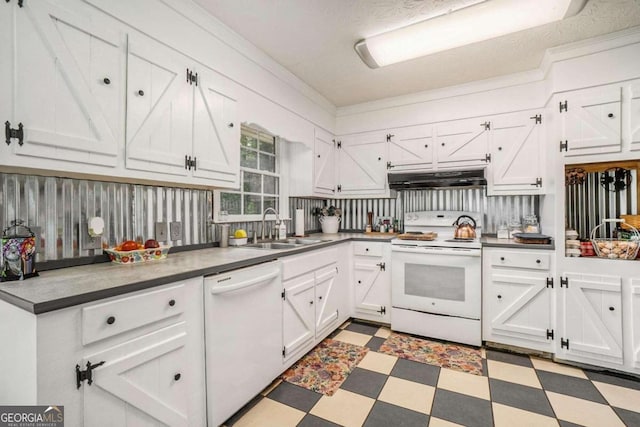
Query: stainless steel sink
[
  {"x": 304, "y": 241},
  {"x": 273, "y": 245}
]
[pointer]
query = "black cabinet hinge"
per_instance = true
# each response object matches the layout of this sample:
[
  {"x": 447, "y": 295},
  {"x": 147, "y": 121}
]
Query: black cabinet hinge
[
  {"x": 564, "y": 145},
  {"x": 339, "y": 144},
  {"x": 339, "y": 188},
  {"x": 487, "y": 158},
  {"x": 382, "y": 266},
  {"x": 550, "y": 334},
  {"x": 283, "y": 294},
  {"x": 389, "y": 136},
  {"x": 10, "y": 133},
  {"x": 389, "y": 165},
  {"x": 383, "y": 310},
  {"x": 192, "y": 78},
  {"x": 538, "y": 182},
  {"x": 284, "y": 351},
  {"x": 190, "y": 163},
  {"x": 87, "y": 374},
  {"x": 537, "y": 118},
  {"x": 550, "y": 282},
  {"x": 564, "y": 106},
  {"x": 564, "y": 343},
  {"x": 19, "y": 2},
  {"x": 487, "y": 125},
  {"x": 564, "y": 282}
]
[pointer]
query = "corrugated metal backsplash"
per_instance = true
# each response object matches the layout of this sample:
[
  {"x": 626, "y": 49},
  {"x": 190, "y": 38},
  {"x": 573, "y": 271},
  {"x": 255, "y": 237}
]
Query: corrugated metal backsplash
[{"x": 59, "y": 206}]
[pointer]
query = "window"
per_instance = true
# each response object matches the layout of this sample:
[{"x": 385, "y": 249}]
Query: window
[{"x": 259, "y": 178}]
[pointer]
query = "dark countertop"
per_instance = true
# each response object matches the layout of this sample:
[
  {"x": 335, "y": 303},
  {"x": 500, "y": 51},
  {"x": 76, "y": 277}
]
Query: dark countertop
[
  {"x": 67, "y": 287},
  {"x": 494, "y": 242}
]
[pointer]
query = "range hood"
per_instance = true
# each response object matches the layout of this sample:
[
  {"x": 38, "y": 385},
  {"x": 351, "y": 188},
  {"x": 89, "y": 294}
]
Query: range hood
[{"x": 443, "y": 179}]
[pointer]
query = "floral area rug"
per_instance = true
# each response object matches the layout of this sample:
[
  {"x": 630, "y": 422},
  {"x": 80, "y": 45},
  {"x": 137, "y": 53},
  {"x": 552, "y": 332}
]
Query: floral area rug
[
  {"x": 445, "y": 355},
  {"x": 325, "y": 368}
]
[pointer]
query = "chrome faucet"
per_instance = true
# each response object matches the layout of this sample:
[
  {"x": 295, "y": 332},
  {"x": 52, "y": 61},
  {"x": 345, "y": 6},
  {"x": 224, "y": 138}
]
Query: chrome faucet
[{"x": 264, "y": 214}]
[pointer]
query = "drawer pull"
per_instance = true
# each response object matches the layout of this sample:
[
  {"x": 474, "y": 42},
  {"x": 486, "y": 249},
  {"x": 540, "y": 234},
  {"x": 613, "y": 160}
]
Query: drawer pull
[
  {"x": 106, "y": 80},
  {"x": 359, "y": 281},
  {"x": 172, "y": 303},
  {"x": 140, "y": 92},
  {"x": 311, "y": 302},
  {"x": 366, "y": 249},
  {"x": 111, "y": 320},
  {"x": 538, "y": 261},
  {"x": 177, "y": 377},
  {"x": 611, "y": 308},
  {"x": 320, "y": 297},
  {"x": 501, "y": 258},
  {"x": 499, "y": 296}
]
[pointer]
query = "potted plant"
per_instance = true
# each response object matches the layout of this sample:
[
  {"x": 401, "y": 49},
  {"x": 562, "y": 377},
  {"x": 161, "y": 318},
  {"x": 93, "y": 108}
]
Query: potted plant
[{"x": 329, "y": 218}]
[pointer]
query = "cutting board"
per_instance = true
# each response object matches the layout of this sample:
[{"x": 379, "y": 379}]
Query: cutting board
[{"x": 424, "y": 236}]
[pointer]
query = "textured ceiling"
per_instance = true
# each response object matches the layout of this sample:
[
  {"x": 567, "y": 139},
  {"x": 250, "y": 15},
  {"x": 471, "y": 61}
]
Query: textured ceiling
[{"x": 314, "y": 40}]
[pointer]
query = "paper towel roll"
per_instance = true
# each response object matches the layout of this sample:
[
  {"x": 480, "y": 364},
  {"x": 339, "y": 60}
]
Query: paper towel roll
[{"x": 299, "y": 222}]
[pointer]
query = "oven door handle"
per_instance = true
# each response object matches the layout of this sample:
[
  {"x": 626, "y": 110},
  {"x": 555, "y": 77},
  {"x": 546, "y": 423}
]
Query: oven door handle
[{"x": 436, "y": 250}]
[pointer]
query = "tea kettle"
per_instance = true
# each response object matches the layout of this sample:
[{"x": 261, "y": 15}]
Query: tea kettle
[{"x": 464, "y": 230}]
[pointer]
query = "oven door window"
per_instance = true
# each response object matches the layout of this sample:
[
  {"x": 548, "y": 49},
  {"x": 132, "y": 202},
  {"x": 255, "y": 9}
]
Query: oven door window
[{"x": 434, "y": 281}]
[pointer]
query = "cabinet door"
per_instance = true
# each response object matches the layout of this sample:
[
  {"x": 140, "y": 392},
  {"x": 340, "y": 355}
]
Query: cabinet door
[
  {"x": 372, "y": 290},
  {"x": 411, "y": 148},
  {"x": 216, "y": 131},
  {"x": 326, "y": 299},
  {"x": 516, "y": 154},
  {"x": 591, "y": 121},
  {"x": 519, "y": 305},
  {"x": 323, "y": 163},
  {"x": 61, "y": 96},
  {"x": 634, "y": 117},
  {"x": 590, "y": 309},
  {"x": 298, "y": 314},
  {"x": 462, "y": 143},
  {"x": 145, "y": 381},
  {"x": 159, "y": 108},
  {"x": 362, "y": 164},
  {"x": 635, "y": 323}
]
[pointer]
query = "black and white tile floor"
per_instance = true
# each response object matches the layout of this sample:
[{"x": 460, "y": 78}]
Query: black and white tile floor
[{"x": 385, "y": 391}]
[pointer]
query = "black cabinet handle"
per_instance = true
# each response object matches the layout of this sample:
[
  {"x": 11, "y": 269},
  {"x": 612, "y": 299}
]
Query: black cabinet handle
[
  {"x": 501, "y": 258},
  {"x": 359, "y": 281},
  {"x": 610, "y": 115},
  {"x": 141, "y": 92},
  {"x": 230, "y": 125},
  {"x": 442, "y": 144},
  {"x": 106, "y": 81},
  {"x": 111, "y": 320},
  {"x": 426, "y": 145},
  {"x": 379, "y": 158},
  {"x": 311, "y": 302},
  {"x": 320, "y": 297},
  {"x": 499, "y": 148},
  {"x": 318, "y": 155},
  {"x": 177, "y": 377},
  {"x": 366, "y": 249},
  {"x": 611, "y": 308},
  {"x": 499, "y": 296},
  {"x": 538, "y": 261},
  {"x": 172, "y": 303}
]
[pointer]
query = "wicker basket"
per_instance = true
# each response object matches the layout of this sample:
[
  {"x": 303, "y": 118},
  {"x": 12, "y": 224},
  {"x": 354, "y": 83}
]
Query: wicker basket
[{"x": 615, "y": 248}]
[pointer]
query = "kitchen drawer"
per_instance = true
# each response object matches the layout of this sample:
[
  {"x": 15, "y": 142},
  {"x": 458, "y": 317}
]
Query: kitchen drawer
[
  {"x": 300, "y": 264},
  {"x": 368, "y": 249},
  {"x": 111, "y": 318},
  {"x": 520, "y": 259}
]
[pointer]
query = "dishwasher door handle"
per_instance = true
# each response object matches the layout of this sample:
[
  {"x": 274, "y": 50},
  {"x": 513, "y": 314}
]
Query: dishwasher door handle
[{"x": 246, "y": 284}]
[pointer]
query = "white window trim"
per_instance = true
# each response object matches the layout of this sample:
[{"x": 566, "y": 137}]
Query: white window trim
[{"x": 283, "y": 206}]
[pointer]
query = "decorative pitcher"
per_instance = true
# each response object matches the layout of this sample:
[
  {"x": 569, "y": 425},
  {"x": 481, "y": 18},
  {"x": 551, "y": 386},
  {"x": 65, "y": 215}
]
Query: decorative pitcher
[{"x": 330, "y": 224}]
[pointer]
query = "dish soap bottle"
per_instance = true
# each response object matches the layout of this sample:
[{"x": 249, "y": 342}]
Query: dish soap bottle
[{"x": 282, "y": 231}]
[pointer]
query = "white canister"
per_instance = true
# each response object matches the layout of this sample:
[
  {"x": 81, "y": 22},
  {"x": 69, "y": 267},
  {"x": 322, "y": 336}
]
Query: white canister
[{"x": 330, "y": 224}]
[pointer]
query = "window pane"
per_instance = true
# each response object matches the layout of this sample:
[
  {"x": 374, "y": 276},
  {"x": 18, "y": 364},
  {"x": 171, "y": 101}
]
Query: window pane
[
  {"x": 271, "y": 202},
  {"x": 267, "y": 162},
  {"x": 252, "y": 182},
  {"x": 249, "y": 140},
  {"x": 268, "y": 145},
  {"x": 248, "y": 158},
  {"x": 252, "y": 205},
  {"x": 270, "y": 185},
  {"x": 230, "y": 202}
]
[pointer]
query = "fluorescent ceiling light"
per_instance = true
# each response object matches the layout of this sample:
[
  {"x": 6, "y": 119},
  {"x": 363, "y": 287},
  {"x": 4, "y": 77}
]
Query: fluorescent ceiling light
[{"x": 482, "y": 21}]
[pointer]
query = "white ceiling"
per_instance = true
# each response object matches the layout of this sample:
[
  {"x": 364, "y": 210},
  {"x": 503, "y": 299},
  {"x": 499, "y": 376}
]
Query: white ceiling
[{"x": 314, "y": 40}]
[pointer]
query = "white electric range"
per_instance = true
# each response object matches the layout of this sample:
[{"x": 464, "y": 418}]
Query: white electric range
[{"x": 436, "y": 284}]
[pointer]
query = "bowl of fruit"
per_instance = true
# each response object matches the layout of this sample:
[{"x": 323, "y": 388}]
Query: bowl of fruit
[{"x": 130, "y": 252}]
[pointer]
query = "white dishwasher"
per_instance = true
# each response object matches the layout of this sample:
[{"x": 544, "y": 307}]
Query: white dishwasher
[{"x": 243, "y": 331}]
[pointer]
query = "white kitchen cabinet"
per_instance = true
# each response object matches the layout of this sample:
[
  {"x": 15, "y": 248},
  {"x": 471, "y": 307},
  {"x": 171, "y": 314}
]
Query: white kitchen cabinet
[
  {"x": 518, "y": 298},
  {"x": 517, "y": 150},
  {"x": 634, "y": 116},
  {"x": 372, "y": 281},
  {"x": 591, "y": 121},
  {"x": 181, "y": 120},
  {"x": 411, "y": 148},
  {"x": 590, "y": 318},
  {"x": 67, "y": 84},
  {"x": 243, "y": 324},
  {"x": 324, "y": 163},
  {"x": 462, "y": 143},
  {"x": 312, "y": 298},
  {"x": 362, "y": 164},
  {"x": 152, "y": 346},
  {"x": 635, "y": 323},
  {"x": 312, "y": 169}
]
